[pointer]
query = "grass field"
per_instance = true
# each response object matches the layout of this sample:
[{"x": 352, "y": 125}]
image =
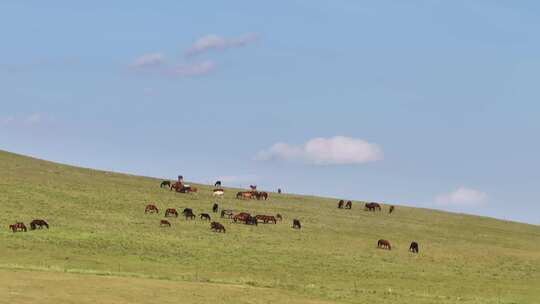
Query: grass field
[{"x": 102, "y": 248}]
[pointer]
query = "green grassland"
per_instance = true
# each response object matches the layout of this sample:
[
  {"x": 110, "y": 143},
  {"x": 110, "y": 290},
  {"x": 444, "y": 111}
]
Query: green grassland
[{"x": 102, "y": 248}]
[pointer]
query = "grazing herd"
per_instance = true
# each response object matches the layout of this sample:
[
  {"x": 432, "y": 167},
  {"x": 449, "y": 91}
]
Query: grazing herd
[
  {"x": 35, "y": 224},
  {"x": 241, "y": 217}
]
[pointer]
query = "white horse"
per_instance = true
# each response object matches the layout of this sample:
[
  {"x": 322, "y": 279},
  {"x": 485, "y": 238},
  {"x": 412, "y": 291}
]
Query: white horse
[{"x": 218, "y": 192}]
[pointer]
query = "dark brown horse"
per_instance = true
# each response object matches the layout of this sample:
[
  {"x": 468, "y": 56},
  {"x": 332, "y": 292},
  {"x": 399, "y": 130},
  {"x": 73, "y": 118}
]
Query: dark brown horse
[
  {"x": 205, "y": 216},
  {"x": 164, "y": 223},
  {"x": 215, "y": 208},
  {"x": 296, "y": 224},
  {"x": 241, "y": 217},
  {"x": 188, "y": 213},
  {"x": 261, "y": 195},
  {"x": 391, "y": 209},
  {"x": 348, "y": 205},
  {"x": 384, "y": 244},
  {"x": 151, "y": 209},
  {"x": 171, "y": 212},
  {"x": 372, "y": 206},
  {"x": 18, "y": 227},
  {"x": 165, "y": 184},
  {"x": 217, "y": 227},
  {"x": 414, "y": 247},
  {"x": 340, "y": 204},
  {"x": 37, "y": 223},
  {"x": 279, "y": 217}
]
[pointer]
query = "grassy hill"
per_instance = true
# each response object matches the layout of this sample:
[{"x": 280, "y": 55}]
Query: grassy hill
[{"x": 102, "y": 248}]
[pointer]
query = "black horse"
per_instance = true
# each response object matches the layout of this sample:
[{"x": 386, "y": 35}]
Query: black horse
[
  {"x": 296, "y": 224},
  {"x": 188, "y": 213},
  {"x": 215, "y": 208},
  {"x": 414, "y": 247},
  {"x": 165, "y": 184},
  {"x": 340, "y": 204},
  {"x": 205, "y": 216},
  {"x": 217, "y": 184},
  {"x": 38, "y": 224},
  {"x": 251, "y": 220}
]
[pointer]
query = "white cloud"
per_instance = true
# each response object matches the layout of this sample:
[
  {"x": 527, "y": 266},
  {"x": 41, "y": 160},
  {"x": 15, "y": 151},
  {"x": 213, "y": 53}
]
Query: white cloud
[
  {"x": 214, "y": 42},
  {"x": 148, "y": 60},
  {"x": 465, "y": 197},
  {"x": 338, "y": 150},
  {"x": 194, "y": 69}
]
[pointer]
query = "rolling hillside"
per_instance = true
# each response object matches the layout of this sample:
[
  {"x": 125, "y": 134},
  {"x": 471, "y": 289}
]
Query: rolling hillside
[{"x": 102, "y": 248}]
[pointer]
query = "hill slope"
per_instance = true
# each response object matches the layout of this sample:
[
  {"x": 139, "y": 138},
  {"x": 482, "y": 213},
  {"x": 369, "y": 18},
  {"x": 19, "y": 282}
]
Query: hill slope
[{"x": 102, "y": 248}]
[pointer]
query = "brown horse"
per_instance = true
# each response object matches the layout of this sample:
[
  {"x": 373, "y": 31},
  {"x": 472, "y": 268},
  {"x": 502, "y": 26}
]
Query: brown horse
[
  {"x": 414, "y": 247},
  {"x": 340, "y": 204},
  {"x": 296, "y": 224},
  {"x": 217, "y": 227},
  {"x": 372, "y": 206},
  {"x": 18, "y": 226},
  {"x": 215, "y": 208},
  {"x": 151, "y": 209},
  {"x": 164, "y": 223},
  {"x": 348, "y": 205},
  {"x": 391, "y": 209},
  {"x": 181, "y": 188},
  {"x": 171, "y": 212},
  {"x": 245, "y": 195},
  {"x": 242, "y": 217},
  {"x": 384, "y": 244},
  {"x": 266, "y": 218},
  {"x": 38, "y": 224},
  {"x": 279, "y": 217}
]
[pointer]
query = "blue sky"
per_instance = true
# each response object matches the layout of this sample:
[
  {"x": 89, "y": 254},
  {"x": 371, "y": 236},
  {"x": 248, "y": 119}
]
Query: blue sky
[{"x": 423, "y": 103}]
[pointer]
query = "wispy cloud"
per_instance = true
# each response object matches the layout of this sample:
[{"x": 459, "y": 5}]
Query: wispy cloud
[
  {"x": 148, "y": 61},
  {"x": 338, "y": 150},
  {"x": 32, "y": 119},
  {"x": 193, "y": 69},
  {"x": 215, "y": 42},
  {"x": 462, "y": 197}
]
